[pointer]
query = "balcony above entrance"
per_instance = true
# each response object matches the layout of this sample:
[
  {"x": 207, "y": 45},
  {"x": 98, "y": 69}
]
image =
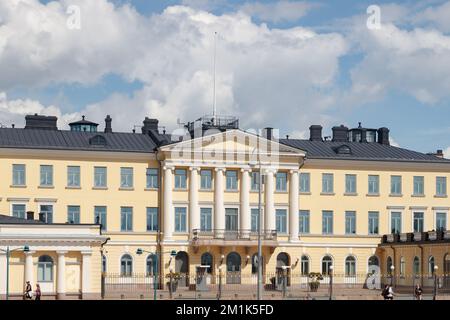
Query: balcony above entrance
[{"x": 222, "y": 237}]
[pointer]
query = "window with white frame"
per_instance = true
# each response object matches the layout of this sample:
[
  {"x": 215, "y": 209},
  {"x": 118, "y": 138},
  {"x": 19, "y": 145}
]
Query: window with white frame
[
  {"x": 441, "y": 186},
  {"x": 180, "y": 219},
  {"x": 416, "y": 266},
  {"x": 441, "y": 221},
  {"x": 254, "y": 219},
  {"x": 151, "y": 265},
  {"x": 126, "y": 265},
  {"x": 374, "y": 184},
  {"x": 73, "y": 176},
  {"x": 350, "y": 266},
  {"x": 126, "y": 177},
  {"x": 180, "y": 178},
  {"x": 327, "y": 262},
  {"x": 126, "y": 219},
  {"x": 152, "y": 219},
  {"x": 281, "y": 220},
  {"x": 396, "y": 185},
  {"x": 255, "y": 180},
  {"x": 327, "y": 222},
  {"x": 305, "y": 265},
  {"x": 303, "y": 221},
  {"x": 47, "y": 211},
  {"x": 431, "y": 265},
  {"x": 100, "y": 216},
  {"x": 418, "y": 189},
  {"x": 350, "y": 222},
  {"x": 231, "y": 219},
  {"x": 152, "y": 178},
  {"x": 46, "y": 175},
  {"x": 205, "y": 219},
  {"x": 304, "y": 181},
  {"x": 374, "y": 218},
  {"x": 327, "y": 183},
  {"x": 402, "y": 266},
  {"x": 73, "y": 214},
  {"x": 396, "y": 222},
  {"x": 18, "y": 211},
  {"x": 100, "y": 177},
  {"x": 19, "y": 175},
  {"x": 232, "y": 178},
  {"x": 205, "y": 179},
  {"x": 418, "y": 221},
  {"x": 281, "y": 181},
  {"x": 350, "y": 183},
  {"x": 45, "y": 269}
]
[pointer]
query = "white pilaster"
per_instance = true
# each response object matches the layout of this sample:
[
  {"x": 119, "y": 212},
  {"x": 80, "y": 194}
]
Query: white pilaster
[
  {"x": 168, "y": 205},
  {"x": 293, "y": 205},
  {"x": 29, "y": 269},
  {"x": 245, "y": 203},
  {"x": 269, "y": 210},
  {"x": 86, "y": 273},
  {"x": 219, "y": 212},
  {"x": 61, "y": 275},
  {"x": 194, "y": 212},
  {"x": 3, "y": 273}
]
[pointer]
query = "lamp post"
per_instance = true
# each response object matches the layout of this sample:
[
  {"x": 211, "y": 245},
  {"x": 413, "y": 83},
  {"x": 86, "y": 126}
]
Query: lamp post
[
  {"x": 331, "y": 282},
  {"x": 140, "y": 251},
  {"x": 219, "y": 295},
  {"x": 435, "y": 282},
  {"x": 8, "y": 254},
  {"x": 392, "y": 275},
  {"x": 259, "y": 260}
]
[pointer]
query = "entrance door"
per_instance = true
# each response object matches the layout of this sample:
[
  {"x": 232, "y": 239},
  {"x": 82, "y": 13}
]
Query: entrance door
[
  {"x": 182, "y": 267},
  {"x": 233, "y": 268}
]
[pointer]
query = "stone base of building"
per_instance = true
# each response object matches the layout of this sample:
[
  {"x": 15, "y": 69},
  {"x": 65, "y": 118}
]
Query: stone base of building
[{"x": 91, "y": 296}]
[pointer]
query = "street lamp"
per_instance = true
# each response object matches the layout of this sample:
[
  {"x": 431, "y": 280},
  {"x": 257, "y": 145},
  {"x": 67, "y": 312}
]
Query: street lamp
[
  {"x": 140, "y": 251},
  {"x": 435, "y": 282},
  {"x": 331, "y": 281},
  {"x": 259, "y": 260},
  {"x": 392, "y": 274},
  {"x": 8, "y": 253}
]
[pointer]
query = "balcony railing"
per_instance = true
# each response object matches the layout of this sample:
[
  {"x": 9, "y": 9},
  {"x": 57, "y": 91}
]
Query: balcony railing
[
  {"x": 232, "y": 235},
  {"x": 411, "y": 237}
]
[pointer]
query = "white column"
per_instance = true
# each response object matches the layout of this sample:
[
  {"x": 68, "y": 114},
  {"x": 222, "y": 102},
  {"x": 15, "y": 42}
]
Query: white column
[
  {"x": 219, "y": 211},
  {"x": 194, "y": 212},
  {"x": 29, "y": 269},
  {"x": 293, "y": 205},
  {"x": 245, "y": 204},
  {"x": 61, "y": 275},
  {"x": 86, "y": 274},
  {"x": 269, "y": 210},
  {"x": 3, "y": 275},
  {"x": 168, "y": 205}
]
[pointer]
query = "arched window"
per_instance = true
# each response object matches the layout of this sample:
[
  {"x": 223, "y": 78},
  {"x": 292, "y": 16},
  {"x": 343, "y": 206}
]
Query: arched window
[
  {"x": 126, "y": 266},
  {"x": 402, "y": 266},
  {"x": 233, "y": 262},
  {"x": 431, "y": 265},
  {"x": 350, "y": 266},
  {"x": 327, "y": 262},
  {"x": 389, "y": 266},
  {"x": 45, "y": 269},
  {"x": 207, "y": 260},
  {"x": 103, "y": 263},
  {"x": 283, "y": 260},
  {"x": 305, "y": 265},
  {"x": 416, "y": 266},
  {"x": 151, "y": 265},
  {"x": 373, "y": 265}
]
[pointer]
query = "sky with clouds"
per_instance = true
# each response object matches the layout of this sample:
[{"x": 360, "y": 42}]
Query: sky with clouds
[{"x": 286, "y": 64}]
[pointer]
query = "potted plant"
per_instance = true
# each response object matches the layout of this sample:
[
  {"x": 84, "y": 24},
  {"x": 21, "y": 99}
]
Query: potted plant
[{"x": 314, "y": 281}]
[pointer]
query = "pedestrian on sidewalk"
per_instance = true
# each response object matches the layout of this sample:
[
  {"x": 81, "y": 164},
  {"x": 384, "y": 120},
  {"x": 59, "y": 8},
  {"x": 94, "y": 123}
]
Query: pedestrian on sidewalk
[
  {"x": 38, "y": 292},
  {"x": 418, "y": 292},
  {"x": 390, "y": 294}
]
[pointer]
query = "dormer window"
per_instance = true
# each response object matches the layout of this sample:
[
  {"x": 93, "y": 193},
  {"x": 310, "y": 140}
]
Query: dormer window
[
  {"x": 344, "y": 149},
  {"x": 83, "y": 126},
  {"x": 97, "y": 140}
]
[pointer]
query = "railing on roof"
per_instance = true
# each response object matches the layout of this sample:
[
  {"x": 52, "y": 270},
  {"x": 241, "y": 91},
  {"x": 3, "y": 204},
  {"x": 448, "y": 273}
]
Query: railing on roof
[{"x": 214, "y": 122}]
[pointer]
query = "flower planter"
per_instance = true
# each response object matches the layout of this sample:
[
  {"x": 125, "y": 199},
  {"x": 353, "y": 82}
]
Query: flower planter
[
  {"x": 432, "y": 235},
  {"x": 390, "y": 238},
  {"x": 403, "y": 237},
  {"x": 418, "y": 236}
]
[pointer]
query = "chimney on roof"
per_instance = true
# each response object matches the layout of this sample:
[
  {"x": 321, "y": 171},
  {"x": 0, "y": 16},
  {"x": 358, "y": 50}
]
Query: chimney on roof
[
  {"x": 383, "y": 136},
  {"x": 41, "y": 122},
  {"x": 30, "y": 215},
  {"x": 149, "y": 124},
  {"x": 340, "y": 134},
  {"x": 268, "y": 133},
  {"x": 108, "y": 127},
  {"x": 315, "y": 133}
]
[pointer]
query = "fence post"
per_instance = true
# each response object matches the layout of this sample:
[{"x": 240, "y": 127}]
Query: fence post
[{"x": 103, "y": 286}]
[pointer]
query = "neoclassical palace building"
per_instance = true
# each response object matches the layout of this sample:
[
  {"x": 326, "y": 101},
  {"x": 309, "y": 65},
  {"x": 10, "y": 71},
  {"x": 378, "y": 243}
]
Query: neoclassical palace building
[{"x": 324, "y": 201}]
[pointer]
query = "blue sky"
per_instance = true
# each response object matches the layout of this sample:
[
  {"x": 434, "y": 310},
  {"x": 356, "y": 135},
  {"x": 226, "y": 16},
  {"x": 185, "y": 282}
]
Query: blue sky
[{"x": 396, "y": 78}]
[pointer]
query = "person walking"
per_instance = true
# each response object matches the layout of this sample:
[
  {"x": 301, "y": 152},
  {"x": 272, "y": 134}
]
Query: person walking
[
  {"x": 390, "y": 294},
  {"x": 418, "y": 292},
  {"x": 38, "y": 292},
  {"x": 28, "y": 291},
  {"x": 385, "y": 292}
]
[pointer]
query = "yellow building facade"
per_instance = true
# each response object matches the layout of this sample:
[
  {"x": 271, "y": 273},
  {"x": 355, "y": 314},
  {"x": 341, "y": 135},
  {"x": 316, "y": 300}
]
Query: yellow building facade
[{"x": 199, "y": 197}]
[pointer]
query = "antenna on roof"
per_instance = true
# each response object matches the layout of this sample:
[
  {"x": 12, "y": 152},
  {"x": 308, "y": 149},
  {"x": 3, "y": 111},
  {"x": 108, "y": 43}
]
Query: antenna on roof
[{"x": 214, "y": 79}]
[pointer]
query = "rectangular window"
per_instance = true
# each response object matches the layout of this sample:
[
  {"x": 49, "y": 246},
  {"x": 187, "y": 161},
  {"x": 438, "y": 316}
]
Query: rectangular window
[
  {"x": 46, "y": 176},
  {"x": 396, "y": 185},
  {"x": 418, "y": 186},
  {"x": 180, "y": 219},
  {"x": 396, "y": 222},
  {"x": 255, "y": 217},
  {"x": 350, "y": 222},
  {"x": 126, "y": 219},
  {"x": 231, "y": 219},
  {"x": 281, "y": 181},
  {"x": 327, "y": 222},
  {"x": 373, "y": 222},
  {"x": 374, "y": 184},
  {"x": 152, "y": 178},
  {"x": 327, "y": 183},
  {"x": 205, "y": 179},
  {"x": 73, "y": 176},
  {"x": 255, "y": 181},
  {"x": 18, "y": 211},
  {"x": 418, "y": 221},
  {"x": 441, "y": 186},
  {"x": 350, "y": 183},
  {"x": 100, "y": 216},
  {"x": 152, "y": 219},
  {"x": 47, "y": 211},
  {"x": 303, "y": 221},
  {"x": 180, "y": 179},
  {"x": 19, "y": 175},
  {"x": 205, "y": 219},
  {"x": 441, "y": 221},
  {"x": 73, "y": 214},
  {"x": 126, "y": 177},
  {"x": 231, "y": 180},
  {"x": 100, "y": 177},
  {"x": 304, "y": 182},
  {"x": 281, "y": 220}
]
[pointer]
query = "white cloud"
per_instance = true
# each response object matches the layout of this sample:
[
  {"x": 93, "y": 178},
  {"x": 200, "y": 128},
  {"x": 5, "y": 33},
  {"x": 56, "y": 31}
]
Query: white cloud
[
  {"x": 263, "y": 74},
  {"x": 437, "y": 16},
  {"x": 279, "y": 11},
  {"x": 447, "y": 153}
]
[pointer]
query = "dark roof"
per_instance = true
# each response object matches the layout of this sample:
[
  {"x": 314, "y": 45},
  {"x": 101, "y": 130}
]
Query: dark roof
[
  {"x": 13, "y": 220},
  {"x": 359, "y": 151},
  {"x": 74, "y": 140},
  {"x": 86, "y": 122}
]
